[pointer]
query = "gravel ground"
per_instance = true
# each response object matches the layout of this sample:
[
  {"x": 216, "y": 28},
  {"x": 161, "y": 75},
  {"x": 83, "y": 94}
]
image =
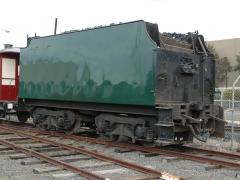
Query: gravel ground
[
  {"x": 219, "y": 144},
  {"x": 13, "y": 170}
]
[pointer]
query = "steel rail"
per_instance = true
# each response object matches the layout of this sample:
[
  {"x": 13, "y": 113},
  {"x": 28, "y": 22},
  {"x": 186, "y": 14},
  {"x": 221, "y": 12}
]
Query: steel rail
[
  {"x": 159, "y": 151},
  {"x": 50, "y": 160},
  {"x": 172, "y": 153},
  {"x": 213, "y": 152},
  {"x": 96, "y": 155}
]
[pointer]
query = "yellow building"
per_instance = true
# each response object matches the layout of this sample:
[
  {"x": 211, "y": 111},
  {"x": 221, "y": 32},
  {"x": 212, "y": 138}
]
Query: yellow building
[{"x": 228, "y": 48}]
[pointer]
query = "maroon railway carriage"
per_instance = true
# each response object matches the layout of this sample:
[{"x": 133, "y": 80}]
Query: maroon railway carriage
[{"x": 9, "y": 63}]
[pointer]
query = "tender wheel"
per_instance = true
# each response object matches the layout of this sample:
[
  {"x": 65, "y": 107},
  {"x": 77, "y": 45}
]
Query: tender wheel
[
  {"x": 2, "y": 114},
  {"x": 147, "y": 144},
  {"x": 123, "y": 139},
  {"x": 22, "y": 116}
]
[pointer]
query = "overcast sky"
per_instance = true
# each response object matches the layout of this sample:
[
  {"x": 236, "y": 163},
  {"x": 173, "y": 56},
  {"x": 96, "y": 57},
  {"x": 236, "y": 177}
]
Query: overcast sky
[{"x": 215, "y": 19}]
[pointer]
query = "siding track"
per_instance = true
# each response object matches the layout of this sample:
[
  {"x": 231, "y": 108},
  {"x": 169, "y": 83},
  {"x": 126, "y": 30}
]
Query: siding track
[{"x": 33, "y": 135}]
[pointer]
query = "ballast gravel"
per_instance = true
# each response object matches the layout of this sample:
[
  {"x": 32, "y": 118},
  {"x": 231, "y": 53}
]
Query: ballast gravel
[{"x": 12, "y": 169}]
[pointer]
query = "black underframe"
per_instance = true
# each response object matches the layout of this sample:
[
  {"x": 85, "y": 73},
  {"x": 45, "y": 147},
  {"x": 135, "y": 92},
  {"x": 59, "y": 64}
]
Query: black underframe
[{"x": 97, "y": 107}]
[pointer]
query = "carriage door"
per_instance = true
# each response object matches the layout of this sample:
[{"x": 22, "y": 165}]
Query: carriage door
[{"x": 9, "y": 69}]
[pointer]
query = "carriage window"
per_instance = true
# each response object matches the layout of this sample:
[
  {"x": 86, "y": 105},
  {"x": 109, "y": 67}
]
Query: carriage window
[{"x": 8, "y": 71}]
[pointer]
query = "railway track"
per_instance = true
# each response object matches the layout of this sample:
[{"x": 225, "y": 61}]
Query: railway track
[
  {"x": 229, "y": 160},
  {"x": 211, "y": 157},
  {"x": 220, "y": 159},
  {"x": 34, "y": 136}
]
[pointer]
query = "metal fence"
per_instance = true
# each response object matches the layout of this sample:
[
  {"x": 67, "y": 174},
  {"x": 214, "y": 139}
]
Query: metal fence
[{"x": 229, "y": 99}]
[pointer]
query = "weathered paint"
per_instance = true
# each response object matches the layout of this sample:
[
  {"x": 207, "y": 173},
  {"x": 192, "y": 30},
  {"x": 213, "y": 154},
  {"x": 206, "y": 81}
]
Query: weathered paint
[{"x": 105, "y": 65}]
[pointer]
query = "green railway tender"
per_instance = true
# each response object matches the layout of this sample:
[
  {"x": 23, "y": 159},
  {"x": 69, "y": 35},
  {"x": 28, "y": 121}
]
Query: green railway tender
[{"x": 121, "y": 80}]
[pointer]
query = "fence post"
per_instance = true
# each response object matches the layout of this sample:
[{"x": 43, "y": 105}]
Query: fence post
[
  {"x": 221, "y": 100},
  {"x": 233, "y": 106}
]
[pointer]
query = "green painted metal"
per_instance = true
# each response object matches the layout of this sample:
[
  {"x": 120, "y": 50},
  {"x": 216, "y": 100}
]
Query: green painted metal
[{"x": 111, "y": 64}]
